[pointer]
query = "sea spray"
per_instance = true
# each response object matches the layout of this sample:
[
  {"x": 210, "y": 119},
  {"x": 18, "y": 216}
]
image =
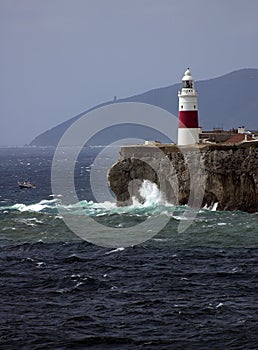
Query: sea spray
[
  {"x": 151, "y": 194},
  {"x": 153, "y": 203}
]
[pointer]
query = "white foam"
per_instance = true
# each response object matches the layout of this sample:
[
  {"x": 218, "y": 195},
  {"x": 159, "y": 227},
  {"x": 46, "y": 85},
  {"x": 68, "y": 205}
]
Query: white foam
[
  {"x": 219, "y": 305},
  {"x": 151, "y": 194},
  {"x": 115, "y": 250},
  {"x": 30, "y": 221},
  {"x": 153, "y": 201},
  {"x": 108, "y": 205},
  {"x": 214, "y": 207},
  {"x": 37, "y": 207},
  {"x": 180, "y": 218}
]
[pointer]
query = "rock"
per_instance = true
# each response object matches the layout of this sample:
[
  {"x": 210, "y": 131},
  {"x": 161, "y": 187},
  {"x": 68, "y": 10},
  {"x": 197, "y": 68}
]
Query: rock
[{"x": 197, "y": 175}]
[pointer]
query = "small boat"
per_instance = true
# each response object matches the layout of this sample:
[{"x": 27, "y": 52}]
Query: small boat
[{"x": 26, "y": 184}]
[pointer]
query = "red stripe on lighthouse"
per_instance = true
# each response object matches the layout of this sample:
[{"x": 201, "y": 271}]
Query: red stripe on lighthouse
[{"x": 188, "y": 119}]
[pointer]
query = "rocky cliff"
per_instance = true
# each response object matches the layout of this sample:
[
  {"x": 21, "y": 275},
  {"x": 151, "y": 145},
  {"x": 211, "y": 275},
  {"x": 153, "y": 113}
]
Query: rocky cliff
[{"x": 197, "y": 175}]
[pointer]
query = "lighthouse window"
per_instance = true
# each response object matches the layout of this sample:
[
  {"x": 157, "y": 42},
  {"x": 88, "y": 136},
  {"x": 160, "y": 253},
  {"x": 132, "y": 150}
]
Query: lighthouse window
[
  {"x": 187, "y": 84},
  {"x": 194, "y": 106},
  {"x": 182, "y": 106}
]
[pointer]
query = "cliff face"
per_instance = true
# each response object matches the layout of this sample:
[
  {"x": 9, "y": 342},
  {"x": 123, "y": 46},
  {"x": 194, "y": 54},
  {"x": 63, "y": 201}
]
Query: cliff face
[{"x": 197, "y": 176}]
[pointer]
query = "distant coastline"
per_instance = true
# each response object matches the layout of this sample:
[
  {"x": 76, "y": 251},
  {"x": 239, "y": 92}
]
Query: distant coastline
[{"x": 225, "y": 102}]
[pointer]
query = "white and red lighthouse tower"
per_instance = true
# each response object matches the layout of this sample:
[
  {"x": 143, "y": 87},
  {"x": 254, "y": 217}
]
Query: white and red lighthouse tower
[{"x": 188, "y": 127}]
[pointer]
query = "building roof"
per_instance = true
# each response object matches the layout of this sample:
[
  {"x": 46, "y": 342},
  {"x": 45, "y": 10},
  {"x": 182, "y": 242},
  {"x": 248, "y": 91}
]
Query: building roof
[
  {"x": 187, "y": 75},
  {"x": 239, "y": 138}
]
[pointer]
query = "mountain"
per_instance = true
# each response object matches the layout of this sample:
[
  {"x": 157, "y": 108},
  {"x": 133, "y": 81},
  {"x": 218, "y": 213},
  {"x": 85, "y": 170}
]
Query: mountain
[{"x": 228, "y": 101}]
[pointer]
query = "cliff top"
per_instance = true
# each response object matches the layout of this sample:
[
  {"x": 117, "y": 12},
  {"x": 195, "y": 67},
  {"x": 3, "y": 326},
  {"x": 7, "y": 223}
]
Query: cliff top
[{"x": 172, "y": 148}]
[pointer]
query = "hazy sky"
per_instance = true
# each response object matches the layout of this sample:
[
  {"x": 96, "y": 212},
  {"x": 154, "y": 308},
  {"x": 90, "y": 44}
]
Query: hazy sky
[{"x": 61, "y": 57}]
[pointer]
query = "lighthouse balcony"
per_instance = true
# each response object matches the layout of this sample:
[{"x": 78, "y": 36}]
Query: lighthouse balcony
[{"x": 187, "y": 92}]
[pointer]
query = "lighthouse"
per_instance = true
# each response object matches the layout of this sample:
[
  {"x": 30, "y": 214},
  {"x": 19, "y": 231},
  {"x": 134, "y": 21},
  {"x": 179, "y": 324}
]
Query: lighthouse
[{"x": 188, "y": 128}]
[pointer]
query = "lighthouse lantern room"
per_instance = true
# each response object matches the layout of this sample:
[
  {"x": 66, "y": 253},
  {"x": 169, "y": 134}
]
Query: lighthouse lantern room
[{"x": 188, "y": 128}]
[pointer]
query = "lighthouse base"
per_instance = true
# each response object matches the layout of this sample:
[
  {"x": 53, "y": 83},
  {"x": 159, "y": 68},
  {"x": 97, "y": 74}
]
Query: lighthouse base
[{"x": 188, "y": 136}]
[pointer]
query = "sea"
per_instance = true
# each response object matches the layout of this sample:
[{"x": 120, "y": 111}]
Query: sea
[{"x": 190, "y": 289}]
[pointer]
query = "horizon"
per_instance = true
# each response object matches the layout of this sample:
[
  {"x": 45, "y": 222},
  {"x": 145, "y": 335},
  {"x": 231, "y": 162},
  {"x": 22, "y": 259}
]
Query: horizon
[
  {"x": 62, "y": 58},
  {"x": 96, "y": 106}
]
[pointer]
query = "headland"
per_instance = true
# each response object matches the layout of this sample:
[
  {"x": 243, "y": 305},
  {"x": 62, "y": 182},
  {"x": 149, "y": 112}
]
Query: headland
[{"x": 222, "y": 173}]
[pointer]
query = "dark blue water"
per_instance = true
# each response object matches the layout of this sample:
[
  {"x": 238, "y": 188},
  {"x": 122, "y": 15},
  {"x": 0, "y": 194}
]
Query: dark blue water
[{"x": 194, "y": 290}]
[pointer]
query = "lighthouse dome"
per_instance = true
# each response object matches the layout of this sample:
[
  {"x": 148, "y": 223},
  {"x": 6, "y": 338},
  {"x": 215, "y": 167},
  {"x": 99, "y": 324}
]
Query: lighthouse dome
[{"x": 187, "y": 75}]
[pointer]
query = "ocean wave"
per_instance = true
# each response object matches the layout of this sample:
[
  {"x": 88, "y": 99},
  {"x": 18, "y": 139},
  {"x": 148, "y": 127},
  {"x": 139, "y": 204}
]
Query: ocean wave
[
  {"x": 154, "y": 204},
  {"x": 36, "y": 207},
  {"x": 90, "y": 208}
]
